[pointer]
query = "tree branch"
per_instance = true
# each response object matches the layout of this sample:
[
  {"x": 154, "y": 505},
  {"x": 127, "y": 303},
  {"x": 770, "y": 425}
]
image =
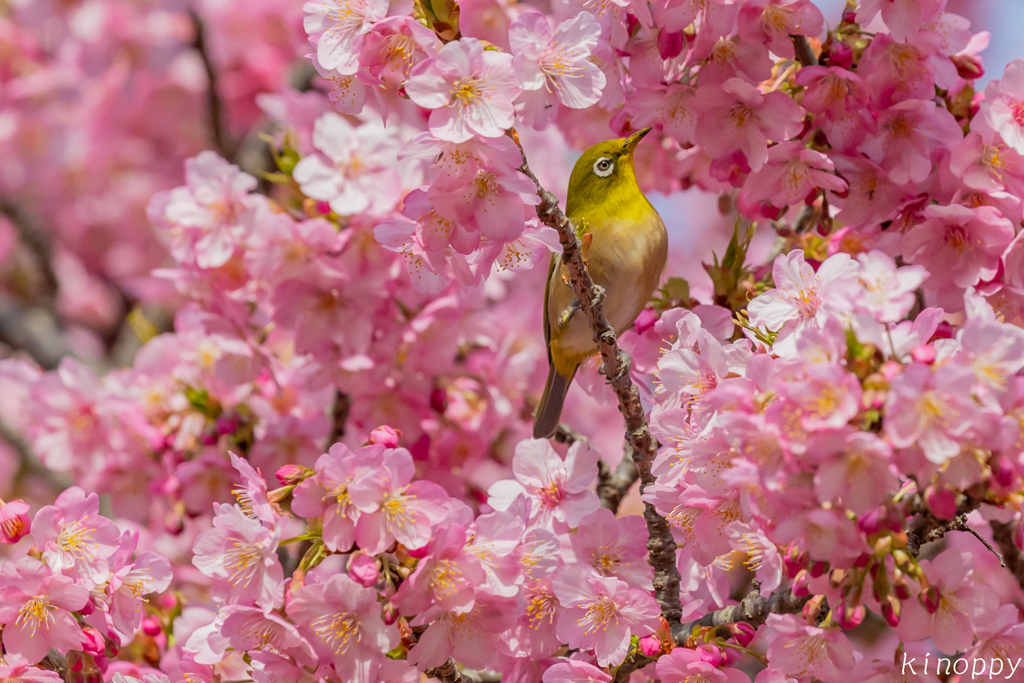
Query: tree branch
[
  {"x": 1002, "y": 534},
  {"x": 449, "y": 672},
  {"x": 34, "y": 330},
  {"x": 926, "y": 527},
  {"x": 804, "y": 53},
  {"x": 339, "y": 417},
  {"x": 661, "y": 545},
  {"x": 612, "y": 487},
  {"x": 36, "y": 240},
  {"x": 214, "y": 106}
]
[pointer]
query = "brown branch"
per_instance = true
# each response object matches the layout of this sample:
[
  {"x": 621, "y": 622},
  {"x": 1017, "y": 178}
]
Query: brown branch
[
  {"x": 339, "y": 417},
  {"x": 449, "y": 672},
  {"x": 214, "y": 107},
  {"x": 612, "y": 487},
  {"x": 1002, "y": 534},
  {"x": 804, "y": 53},
  {"x": 34, "y": 330},
  {"x": 925, "y": 527},
  {"x": 56, "y": 662},
  {"x": 36, "y": 240},
  {"x": 564, "y": 434},
  {"x": 661, "y": 545}
]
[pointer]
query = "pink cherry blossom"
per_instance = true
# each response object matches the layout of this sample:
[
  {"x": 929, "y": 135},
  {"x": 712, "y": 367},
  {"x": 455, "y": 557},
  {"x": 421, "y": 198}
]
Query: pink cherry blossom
[
  {"x": 35, "y": 608},
  {"x": 739, "y": 117},
  {"x": 930, "y": 408},
  {"x": 393, "y": 507},
  {"x": 887, "y": 291},
  {"x": 792, "y": 174},
  {"x": 554, "y": 66},
  {"x": 774, "y": 21},
  {"x": 602, "y": 613},
  {"x": 74, "y": 538},
  {"x": 856, "y": 470},
  {"x": 206, "y": 218},
  {"x": 445, "y": 580},
  {"x": 801, "y": 650},
  {"x": 130, "y": 585},
  {"x": 961, "y": 604},
  {"x": 353, "y": 169},
  {"x": 17, "y": 670},
  {"x": 557, "y": 489},
  {"x": 575, "y": 671},
  {"x": 762, "y": 555},
  {"x": 327, "y": 493},
  {"x": 614, "y": 547},
  {"x": 908, "y": 133},
  {"x": 14, "y": 521},
  {"x": 338, "y": 27},
  {"x": 343, "y": 622},
  {"x": 683, "y": 665},
  {"x": 1002, "y": 110},
  {"x": 958, "y": 244},
  {"x": 469, "y": 90},
  {"x": 903, "y": 19},
  {"x": 240, "y": 555},
  {"x": 468, "y": 637}
]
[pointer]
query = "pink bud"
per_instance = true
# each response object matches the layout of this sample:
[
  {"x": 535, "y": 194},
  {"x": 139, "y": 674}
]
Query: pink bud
[
  {"x": 849, "y": 17},
  {"x": 390, "y": 613},
  {"x": 291, "y": 475},
  {"x": 890, "y": 370},
  {"x": 924, "y": 353},
  {"x": 793, "y": 562},
  {"x": 650, "y": 646},
  {"x": 363, "y": 568},
  {"x": 930, "y": 598},
  {"x": 323, "y": 207},
  {"x": 167, "y": 601},
  {"x": 891, "y": 612},
  {"x": 818, "y": 568},
  {"x": 841, "y": 55},
  {"x": 385, "y": 436},
  {"x": 1002, "y": 470},
  {"x": 800, "y": 587},
  {"x": 848, "y": 617},
  {"x": 151, "y": 626},
  {"x": 646, "y": 320},
  {"x": 968, "y": 67},
  {"x": 743, "y": 633},
  {"x": 92, "y": 641},
  {"x": 941, "y": 501},
  {"x": 711, "y": 654},
  {"x": 88, "y": 608},
  {"x": 14, "y": 522},
  {"x": 670, "y": 44}
]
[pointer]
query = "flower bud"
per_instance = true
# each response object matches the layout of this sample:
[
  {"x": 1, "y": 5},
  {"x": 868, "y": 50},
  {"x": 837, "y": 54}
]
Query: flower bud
[
  {"x": 925, "y": 354},
  {"x": 968, "y": 67},
  {"x": 670, "y": 44},
  {"x": 650, "y": 645},
  {"x": 151, "y": 626},
  {"x": 92, "y": 641},
  {"x": 901, "y": 588},
  {"x": 891, "y": 609},
  {"x": 743, "y": 633},
  {"x": 800, "y": 582},
  {"x": 930, "y": 598},
  {"x": 841, "y": 55},
  {"x": 363, "y": 568},
  {"x": 848, "y": 617},
  {"x": 390, "y": 613},
  {"x": 646, "y": 320},
  {"x": 812, "y": 608},
  {"x": 14, "y": 522},
  {"x": 322, "y": 208},
  {"x": 818, "y": 568},
  {"x": 291, "y": 475},
  {"x": 941, "y": 501},
  {"x": 849, "y": 17},
  {"x": 88, "y": 608},
  {"x": 890, "y": 370},
  {"x": 711, "y": 654},
  {"x": 385, "y": 436},
  {"x": 1002, "y": 470}
]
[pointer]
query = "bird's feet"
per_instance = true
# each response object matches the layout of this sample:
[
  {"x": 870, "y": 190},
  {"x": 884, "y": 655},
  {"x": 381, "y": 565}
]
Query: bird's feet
[
  {"x": 566, "y": 315},
  {"x": 599, "y": 293}
]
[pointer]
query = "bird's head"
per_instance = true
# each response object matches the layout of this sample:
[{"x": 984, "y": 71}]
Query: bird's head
[{"x": 604, "y": 171}]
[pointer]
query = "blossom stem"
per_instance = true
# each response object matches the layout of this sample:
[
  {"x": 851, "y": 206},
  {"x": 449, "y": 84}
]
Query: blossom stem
[
  {"x": 804, "y": 53},
  {"x": 660, "y": 544},
  {"x": 1002, "y": 534},
  {"x": 215, "y": 108}
]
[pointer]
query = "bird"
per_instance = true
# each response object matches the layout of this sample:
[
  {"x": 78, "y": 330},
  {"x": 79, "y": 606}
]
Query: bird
[{"x": 625, "y": 246}]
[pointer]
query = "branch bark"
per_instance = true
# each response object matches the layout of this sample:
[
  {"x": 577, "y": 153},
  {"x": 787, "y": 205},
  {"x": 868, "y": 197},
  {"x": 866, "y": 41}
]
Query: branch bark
[
  {"x": 449, "y": 672},
  {"x": 804, "y": 53},
  {"x": 1002, "y": 534},
  {"x": 612, "y": 487},
  {"x": 661, "y": 546},
  {"x": 214, "y": 106},
  {"x": 926, "y": 527}
]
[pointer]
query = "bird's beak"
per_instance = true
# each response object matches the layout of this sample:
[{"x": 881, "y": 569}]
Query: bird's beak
[{"x": 633, "y": 140}]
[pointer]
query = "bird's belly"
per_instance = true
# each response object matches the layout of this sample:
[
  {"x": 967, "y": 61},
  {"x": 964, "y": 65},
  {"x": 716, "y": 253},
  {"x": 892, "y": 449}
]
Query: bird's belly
[{"x": 629, "y": 270}]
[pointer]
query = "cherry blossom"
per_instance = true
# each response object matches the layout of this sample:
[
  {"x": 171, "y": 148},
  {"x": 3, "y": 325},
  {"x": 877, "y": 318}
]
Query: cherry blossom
[{"x": 36, "y": 607}]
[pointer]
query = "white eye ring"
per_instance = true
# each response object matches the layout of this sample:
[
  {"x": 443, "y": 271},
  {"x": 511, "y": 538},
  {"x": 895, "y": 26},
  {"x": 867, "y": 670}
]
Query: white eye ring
[{"x": 603, "y": 167}]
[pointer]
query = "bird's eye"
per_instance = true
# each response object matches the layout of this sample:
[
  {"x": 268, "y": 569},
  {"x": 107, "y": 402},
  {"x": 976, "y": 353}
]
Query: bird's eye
[{"x": 603, "y": 167}]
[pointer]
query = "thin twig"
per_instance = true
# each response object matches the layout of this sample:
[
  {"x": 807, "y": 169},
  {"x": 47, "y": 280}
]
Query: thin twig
[
  {"x": 661, "y": 545},
  {"x": 1002, "y": 534},
  {"x": 339, "y": 417},
  {"x": 926, "y": 527},
  {"x": 36, "y": 240}
]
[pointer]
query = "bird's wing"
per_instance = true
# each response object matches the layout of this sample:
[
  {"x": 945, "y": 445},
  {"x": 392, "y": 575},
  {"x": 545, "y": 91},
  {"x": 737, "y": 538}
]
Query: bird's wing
[{"x": 556, "y": 260}]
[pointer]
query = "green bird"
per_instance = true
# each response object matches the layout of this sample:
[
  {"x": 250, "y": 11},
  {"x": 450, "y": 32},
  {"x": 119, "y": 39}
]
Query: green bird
[{"x": 625, "y": 246}]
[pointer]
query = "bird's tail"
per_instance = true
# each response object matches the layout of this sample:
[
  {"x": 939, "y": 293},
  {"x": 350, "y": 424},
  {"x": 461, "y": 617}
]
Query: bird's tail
[{"x": 549, "y": 412}]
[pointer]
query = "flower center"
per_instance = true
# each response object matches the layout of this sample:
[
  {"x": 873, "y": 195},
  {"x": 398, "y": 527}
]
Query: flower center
[
  {"x": 465, "y": 91},
  {"x": 241, "y": 560},
  {"x": 601, "y": 611},
  {"x": 74, "y": 538},
  {"x": 395, "y": 512},
  {"x": 338, "y": 631},
  {"x": 1017, "y": 109},
  {"x": 37, "y": 612},
  {"x": 540, "y": 609},
  {"x": 957, "y": 238},
  {"x": 445, "y": 579}
]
